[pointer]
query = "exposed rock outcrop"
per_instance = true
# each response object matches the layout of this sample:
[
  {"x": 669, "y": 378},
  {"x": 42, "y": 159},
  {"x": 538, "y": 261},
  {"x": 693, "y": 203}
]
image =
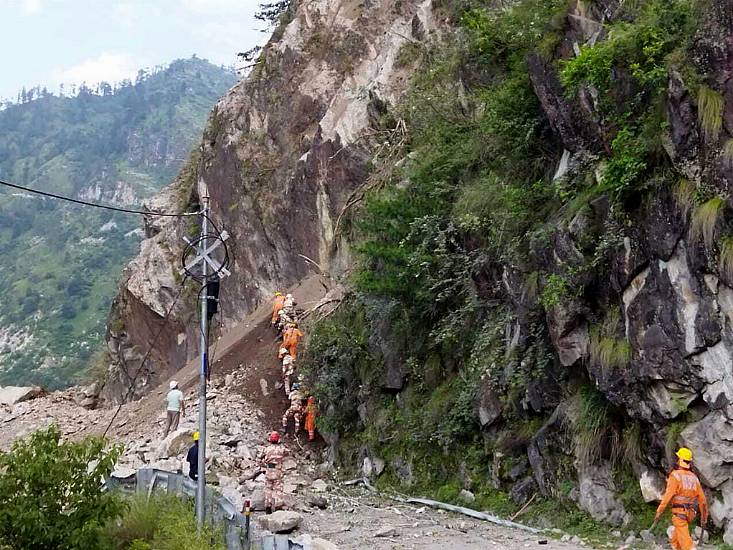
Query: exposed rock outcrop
[{"x": 282, "y": 155}]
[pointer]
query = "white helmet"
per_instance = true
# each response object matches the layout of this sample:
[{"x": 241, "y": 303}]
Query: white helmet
[
  {"x": 288, "y": 296},
  {"x": 173, "y": 384}
]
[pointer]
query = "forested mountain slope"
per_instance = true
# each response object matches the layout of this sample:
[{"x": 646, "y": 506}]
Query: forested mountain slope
[
  {"x": 528, "y": 203},
  {"x": 60, "y": 262}
]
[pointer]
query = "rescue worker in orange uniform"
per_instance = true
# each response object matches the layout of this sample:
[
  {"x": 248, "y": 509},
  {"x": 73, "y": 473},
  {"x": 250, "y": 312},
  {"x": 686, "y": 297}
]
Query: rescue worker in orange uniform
[
  {"x": 271, "y": 458},
  {"x": 684, "y": 494},
  {"x": 276, "y": 307},
  {"x": 291, "y": 337},
  {"x": 311, "y": 411}
]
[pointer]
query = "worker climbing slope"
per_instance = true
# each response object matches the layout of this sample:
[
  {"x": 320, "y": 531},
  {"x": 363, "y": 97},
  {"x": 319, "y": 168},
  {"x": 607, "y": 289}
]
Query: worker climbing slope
[
  {"x": 276, "y": 307},
  {"x": 291, "y": 337},
  {"x": 311, "y": 411},
  {"x": 684, "y": 493},
  {"x": 295, "y": 410}
]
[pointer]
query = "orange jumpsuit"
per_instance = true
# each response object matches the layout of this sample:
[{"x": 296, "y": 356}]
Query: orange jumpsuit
[
  {"x": 684, "y": 493},
  {"x": 291, "y": 336},
  {"x": 311, "y": 411},
  {"x": 276, "y": 307}
]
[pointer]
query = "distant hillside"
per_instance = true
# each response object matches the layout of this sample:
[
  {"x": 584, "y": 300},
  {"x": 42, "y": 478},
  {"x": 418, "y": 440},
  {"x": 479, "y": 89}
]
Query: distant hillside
[{"x": 61, "y": 262}]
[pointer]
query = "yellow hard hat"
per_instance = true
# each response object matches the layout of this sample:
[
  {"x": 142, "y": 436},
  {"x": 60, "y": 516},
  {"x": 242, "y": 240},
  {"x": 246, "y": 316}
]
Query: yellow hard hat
[
  {"x": 278, "y": 293},
  {"x": 685, "y": 454},
  {"x": 195, "y": 436}
]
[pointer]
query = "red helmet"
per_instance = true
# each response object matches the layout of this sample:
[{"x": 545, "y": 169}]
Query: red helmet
[{"x": 274, "y": 437}]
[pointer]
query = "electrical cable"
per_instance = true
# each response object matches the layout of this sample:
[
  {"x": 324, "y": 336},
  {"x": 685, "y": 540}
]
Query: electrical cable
[
  {"x": 97, "y": 205},
  {"x": 145, "y": 357}
]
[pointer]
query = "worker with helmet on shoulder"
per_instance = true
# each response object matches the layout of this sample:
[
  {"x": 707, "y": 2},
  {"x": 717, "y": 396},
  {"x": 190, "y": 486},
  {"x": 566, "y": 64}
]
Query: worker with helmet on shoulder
[
  {"x": 271, "y": 458},
  {"x": 685, "y": 496}
]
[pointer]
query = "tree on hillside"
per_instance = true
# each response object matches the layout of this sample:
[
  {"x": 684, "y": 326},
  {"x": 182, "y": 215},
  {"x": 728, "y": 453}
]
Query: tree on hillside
[{"x": 51, "y": 494}]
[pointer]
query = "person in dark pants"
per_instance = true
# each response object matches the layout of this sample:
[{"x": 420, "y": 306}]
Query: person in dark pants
[{"x": 193, "y": 458}]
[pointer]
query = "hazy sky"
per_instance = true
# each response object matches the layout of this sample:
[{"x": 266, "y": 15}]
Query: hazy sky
[{"x": 48, "y": 42}]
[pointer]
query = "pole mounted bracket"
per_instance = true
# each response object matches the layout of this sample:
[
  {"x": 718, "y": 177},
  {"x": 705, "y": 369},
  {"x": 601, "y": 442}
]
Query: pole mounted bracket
[{"x": 219, "y": 270}]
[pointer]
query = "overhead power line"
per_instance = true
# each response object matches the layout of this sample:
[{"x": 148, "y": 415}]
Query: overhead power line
[{"x": 94, "y": 204}]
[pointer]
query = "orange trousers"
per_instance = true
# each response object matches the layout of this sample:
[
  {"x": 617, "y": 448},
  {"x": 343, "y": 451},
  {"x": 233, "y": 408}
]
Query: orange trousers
[
  {"x": 292, "y": 349},
  {"x": 681, "y": 539},
  {"x": 310, "y": 425}
]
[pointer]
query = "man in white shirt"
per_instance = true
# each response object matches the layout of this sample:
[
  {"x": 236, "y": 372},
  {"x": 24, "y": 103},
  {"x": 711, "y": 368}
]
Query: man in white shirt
[{"x": 176, "y": 407}]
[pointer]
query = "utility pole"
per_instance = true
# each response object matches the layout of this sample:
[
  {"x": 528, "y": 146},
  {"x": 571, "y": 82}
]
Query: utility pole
[{"x": 201, "y": 492}]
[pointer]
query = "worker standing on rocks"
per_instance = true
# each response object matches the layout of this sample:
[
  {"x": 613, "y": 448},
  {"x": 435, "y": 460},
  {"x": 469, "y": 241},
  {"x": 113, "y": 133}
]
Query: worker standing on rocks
[
  {"x": 311, "y": 411},
  {"x": 193, "y": 458},
  {"x": 291, "y": 337},
  {"x": 176, "y": 407},
  {"x": 684, "y": 493},
  {"x": 276, "y": 307},
  {"x": 295, "y": 410},
  {"x": 272, "y": 458}
]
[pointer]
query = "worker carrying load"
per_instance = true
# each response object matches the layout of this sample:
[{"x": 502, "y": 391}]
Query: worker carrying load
[
  {"x": 295, "y": 410},
  {"x": 311, "y": 411},
  {"x": 288, "y": 371},
  {"x": 276, "y": 307},
  {"x": 271, "y": 458},
  {"x": 684, "y": 494},
  {"x": 291, "y": 337}
]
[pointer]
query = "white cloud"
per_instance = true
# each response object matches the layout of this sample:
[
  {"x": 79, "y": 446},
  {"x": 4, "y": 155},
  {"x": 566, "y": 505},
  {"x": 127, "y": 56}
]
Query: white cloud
[
  {"x": 30, "y": 7},
  {"x": 27, "y": 7},
  {"x": 108, "y": 67}
]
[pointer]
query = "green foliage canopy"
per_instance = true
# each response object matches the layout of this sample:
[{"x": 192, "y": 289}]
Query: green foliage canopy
[{"x": 51, "y": 492}]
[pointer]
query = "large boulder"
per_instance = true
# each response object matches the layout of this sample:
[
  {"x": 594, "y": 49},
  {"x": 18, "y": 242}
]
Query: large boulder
[
  {"x": 597, "y": 494},
  {"x": 10, "y": 395},
  {"x": 282, "y": 521},
  {"x": 176, "y": 443}
]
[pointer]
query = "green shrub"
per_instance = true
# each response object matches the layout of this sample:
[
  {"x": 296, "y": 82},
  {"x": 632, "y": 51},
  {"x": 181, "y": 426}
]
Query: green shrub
[
  {"x": 555, "y": 291},
  {"x": 51, "y": 494}
]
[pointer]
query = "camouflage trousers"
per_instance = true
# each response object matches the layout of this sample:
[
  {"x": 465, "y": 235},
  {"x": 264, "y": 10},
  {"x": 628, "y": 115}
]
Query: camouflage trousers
[
  {"x": 273, "y": 491},
  {"x": 294, "y": 412}
]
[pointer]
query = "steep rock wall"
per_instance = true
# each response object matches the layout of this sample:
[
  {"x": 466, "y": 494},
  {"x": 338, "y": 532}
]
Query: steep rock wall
[{"x": 282, "y": 153}]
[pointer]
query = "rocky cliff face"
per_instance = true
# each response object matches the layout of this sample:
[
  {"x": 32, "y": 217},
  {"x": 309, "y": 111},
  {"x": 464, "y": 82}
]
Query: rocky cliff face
[{"x": 283, "y": 154}]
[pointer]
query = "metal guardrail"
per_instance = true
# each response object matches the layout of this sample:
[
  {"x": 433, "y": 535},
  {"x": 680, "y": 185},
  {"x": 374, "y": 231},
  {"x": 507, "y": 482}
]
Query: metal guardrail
[{"x": 219, "y": 508}]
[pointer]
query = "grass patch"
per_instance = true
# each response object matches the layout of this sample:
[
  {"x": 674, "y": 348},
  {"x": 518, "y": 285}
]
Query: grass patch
[
  {"x": 606, "y": 349},
  {"x": 725, "y": 260},
  {"x": 728, "y": 153},
  {"x": 684, "y": 196},
  {"x": 589, "y": 414},
  {"x": 709, "y": 111},
  {"x": 704, "y": 220},
  {"x": 162, "y": 522}
]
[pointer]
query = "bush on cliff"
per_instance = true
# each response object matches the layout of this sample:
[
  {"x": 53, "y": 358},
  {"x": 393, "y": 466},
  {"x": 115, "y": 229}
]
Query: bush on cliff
[{"x": 51, "y": 494}]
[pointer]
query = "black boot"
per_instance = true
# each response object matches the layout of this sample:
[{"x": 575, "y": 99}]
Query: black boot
[{"x": 268, "y": 510}]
